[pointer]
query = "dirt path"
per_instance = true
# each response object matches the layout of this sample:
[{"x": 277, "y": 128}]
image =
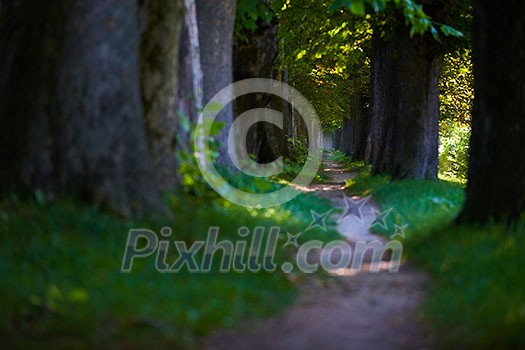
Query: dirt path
[{"x": 356, "y": 310}]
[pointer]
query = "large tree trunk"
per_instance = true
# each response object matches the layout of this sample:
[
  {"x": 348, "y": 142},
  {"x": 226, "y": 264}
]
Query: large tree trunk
[
  {"x": 255, "y": 59},
  {"x": 72, "y": 120},
  {"x": 159, "y": 62},
  {"x": 496, "y": 186},
  {"x": 403, "y": 136},
  {"x": 216, "y": 20}
]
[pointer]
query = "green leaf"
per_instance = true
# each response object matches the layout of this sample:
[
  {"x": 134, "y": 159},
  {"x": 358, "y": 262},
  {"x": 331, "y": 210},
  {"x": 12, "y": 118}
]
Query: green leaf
[
  {"x": 217, "y": 127},
  {"x": 214, "y": 107},
  {"x": 449, "y": 31},
  {"x": 39, "y": 197},
  {"x": 357, "y": 7},
  {"x": 435, "y": 34}
]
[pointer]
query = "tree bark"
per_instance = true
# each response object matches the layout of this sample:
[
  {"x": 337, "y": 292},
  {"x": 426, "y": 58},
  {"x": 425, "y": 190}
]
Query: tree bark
[
  {"x": 72, "y": 120},
  {"x": 496, "y": 185},
  {"x": 346, "y": 140},
  {"x": 255, "y": 59},
  {"x": 216, "y": 20},
  {"x": 190, "y": 75},
  {"x": 159, "y": 63},
  {"x": 358, "y": 126},
  {"x": 403, "y": 136},
  {"x": 353, "y": 134}
]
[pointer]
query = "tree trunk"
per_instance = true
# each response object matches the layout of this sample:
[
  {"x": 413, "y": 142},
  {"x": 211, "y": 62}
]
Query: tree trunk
[
  {"x": 255, "y": 59},
  {"x": 358, "y": 126},
  {"x": 189, "y": 92},
  {"x": 346, "y": 141},
  {"x": 496, "y": 185},
  {"x": 216, "y": 20},
  {"x": 72, "y": 113},
  {"x": 159, "y": 62},
  {"x": 353, "y": 140},
  {"x": 403, "y": 136}
]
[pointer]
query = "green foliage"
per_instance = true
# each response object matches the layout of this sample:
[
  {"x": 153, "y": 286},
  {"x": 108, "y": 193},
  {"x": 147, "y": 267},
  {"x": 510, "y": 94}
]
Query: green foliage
[
  {"x": 456, "y": 100},
  {"x": 325, "y": 54},
  {"x": 250, "y": 14},
  {"x": 478, "y": 296},
  {"x": 454, "y": 151},
  {"x": 456, "y": 86},
  {"x": 191, "y": 178},
  {"x": 420, "y": 23},
  {"x": 295, "y": 160},
  {"x": 348, "y": 162}
]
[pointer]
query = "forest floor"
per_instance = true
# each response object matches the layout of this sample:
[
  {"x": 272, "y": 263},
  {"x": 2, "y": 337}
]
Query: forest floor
[{"x": 350, "y": 310}]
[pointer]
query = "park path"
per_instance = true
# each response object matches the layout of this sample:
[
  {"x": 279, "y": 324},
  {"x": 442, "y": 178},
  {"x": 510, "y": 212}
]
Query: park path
[{"x": 353, "y": 310}]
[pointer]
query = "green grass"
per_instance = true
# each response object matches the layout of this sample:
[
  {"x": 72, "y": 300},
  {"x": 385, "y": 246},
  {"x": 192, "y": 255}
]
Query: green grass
[
  {"x": 477, "y": 299},
  {"x": 423, "y": 205},
  {"x": 348, "y": 162},
  {"x": 477, "y": 296},
  {"x": 62, "y": 285}
]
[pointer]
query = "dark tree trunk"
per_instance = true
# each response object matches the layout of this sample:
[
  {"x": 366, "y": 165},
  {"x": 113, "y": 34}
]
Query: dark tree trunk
[
  {"x": 255, "y": 59},
  {"x": 287, "y": 108},
  {"x": 403, "y": 136},
  {"x": 72, "y": 120},
  {"x": 353, "y": 135},
  {"x": 216, "y": 20},
  {"x": 496, "y": 186},
  {"x": 346, "y": 141},
  {"x": 358, "y": 126},
  {"x": 159, "y": 61}
]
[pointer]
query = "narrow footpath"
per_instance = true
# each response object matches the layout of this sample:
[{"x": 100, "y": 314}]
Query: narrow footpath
[{"x": 359, "y": 310}]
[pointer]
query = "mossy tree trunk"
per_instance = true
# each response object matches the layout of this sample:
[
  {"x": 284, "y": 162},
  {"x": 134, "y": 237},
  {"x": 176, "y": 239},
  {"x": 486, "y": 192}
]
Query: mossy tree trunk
[
  {"x": 72, "y": 107},
  {"x": 162, "y": 22}
]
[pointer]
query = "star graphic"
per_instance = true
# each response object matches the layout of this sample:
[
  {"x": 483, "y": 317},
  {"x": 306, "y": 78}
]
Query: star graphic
[
  {"x": 292, "y": 239},
  {"x": 318, "y": 220},
  {"x": 380, "y": 218},
  {"x": 400, "y": 231},
  {"x": 354, "y": 207}
]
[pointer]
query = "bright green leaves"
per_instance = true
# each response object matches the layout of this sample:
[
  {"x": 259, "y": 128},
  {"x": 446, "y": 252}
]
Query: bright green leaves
[
  {"x": 456, "y": 86},
  {"x": 325, "y": 53},
  {"x": 301, "y": 54}
]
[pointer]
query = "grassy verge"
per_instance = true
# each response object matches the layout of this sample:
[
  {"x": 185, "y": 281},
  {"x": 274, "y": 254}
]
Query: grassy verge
[
  {"x": 477, "y": 298},
  {"x": 419, "y": 205},
  {"x": 62, "y": 285}
]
